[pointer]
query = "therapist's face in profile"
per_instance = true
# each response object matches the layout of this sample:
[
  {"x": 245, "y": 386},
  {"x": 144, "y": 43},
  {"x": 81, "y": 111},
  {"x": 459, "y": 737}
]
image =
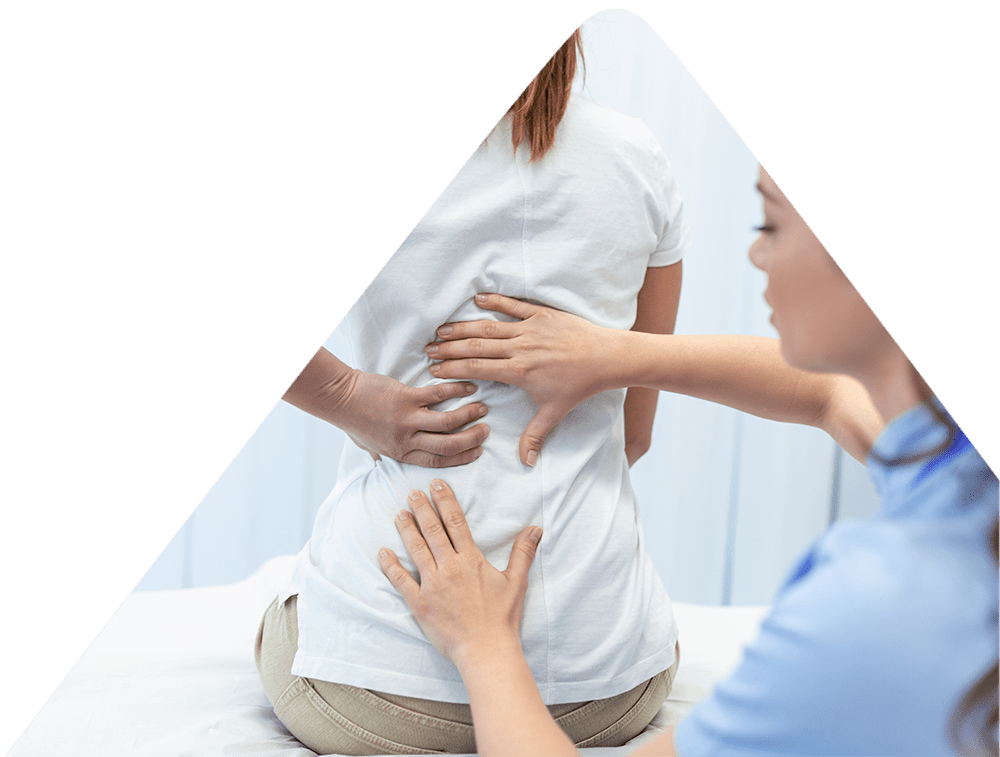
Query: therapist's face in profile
[{"x": 823, "y": 323}]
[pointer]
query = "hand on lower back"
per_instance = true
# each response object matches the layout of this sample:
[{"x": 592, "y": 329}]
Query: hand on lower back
[
  {"x": 390, "y": 419},
  {"x": 558, "y": 358},
  {"x": 467, "y": 608}
]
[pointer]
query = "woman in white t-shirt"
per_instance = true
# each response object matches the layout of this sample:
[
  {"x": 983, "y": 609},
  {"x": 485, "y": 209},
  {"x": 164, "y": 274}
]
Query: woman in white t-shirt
[{"x": 586, "y": 218}]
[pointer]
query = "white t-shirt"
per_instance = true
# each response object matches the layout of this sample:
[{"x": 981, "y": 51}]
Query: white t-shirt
[{"x": 575, "y": 231}]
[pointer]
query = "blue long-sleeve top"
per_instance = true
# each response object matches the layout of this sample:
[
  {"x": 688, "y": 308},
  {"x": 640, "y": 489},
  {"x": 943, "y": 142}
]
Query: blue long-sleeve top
[{"x": 881, "y": 627}]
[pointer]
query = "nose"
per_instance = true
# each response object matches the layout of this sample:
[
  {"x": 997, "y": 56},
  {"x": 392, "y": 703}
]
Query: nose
[{"x": 758, "y": 256}]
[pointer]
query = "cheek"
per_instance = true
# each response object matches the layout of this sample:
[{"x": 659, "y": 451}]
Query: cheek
[
  {"x": 793, "y": 296},
  {"x": 794, "y": 281},
  {"x": 783, "y": 290},
  {"x": 827, "y": 327}
]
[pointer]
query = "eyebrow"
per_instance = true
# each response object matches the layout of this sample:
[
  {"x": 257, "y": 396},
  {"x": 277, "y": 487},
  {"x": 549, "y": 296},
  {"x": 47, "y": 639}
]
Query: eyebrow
[{"x": 766, "y": 194}]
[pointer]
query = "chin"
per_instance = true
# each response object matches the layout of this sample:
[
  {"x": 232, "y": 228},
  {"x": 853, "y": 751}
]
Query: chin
[{"x": 803, "y": 359}]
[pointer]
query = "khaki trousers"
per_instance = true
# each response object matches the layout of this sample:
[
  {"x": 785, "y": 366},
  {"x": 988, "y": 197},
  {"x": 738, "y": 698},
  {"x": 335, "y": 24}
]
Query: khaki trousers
[{"x": 333, "y": 718}]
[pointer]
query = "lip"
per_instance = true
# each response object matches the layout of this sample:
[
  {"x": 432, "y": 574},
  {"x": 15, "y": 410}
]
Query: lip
[{"x": 771, "y": 318}]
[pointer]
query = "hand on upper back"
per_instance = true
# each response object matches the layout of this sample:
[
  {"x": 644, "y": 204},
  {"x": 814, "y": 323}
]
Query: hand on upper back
[
  {"x": 390, "y": 419},
  {"x": 465, "y": 606},
  {"x": 555, "y": 356}
]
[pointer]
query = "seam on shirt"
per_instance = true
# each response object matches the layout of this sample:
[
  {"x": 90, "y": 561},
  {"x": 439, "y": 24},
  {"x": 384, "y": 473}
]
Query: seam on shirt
[
  {"x": 541, "y": 575},
  {"x": 524, "y": 224},
  {"x": 540, "y": 469}
]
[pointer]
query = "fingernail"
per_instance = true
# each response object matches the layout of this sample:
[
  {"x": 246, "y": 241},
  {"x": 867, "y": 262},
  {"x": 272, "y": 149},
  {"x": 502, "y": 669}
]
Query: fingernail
[
  {"x": 535, "y": 536},
  {"x": 414, "y": 495},
  {"x": 480, "y": 298},
  {"x": 470, "y": 389},
  {"x": 532, "y": 458},
  {"x": 403, "y": 515},
  {"x": 383, "y": 554},
  {"x": 437, "y": 485},
  {"x": 431, "y": 349},
  {"x": 487, "y": 430},
  {"x": 482, "y": 410},
  {"x": 445, "y": 330},
  {"x": 436, "y": 368}
]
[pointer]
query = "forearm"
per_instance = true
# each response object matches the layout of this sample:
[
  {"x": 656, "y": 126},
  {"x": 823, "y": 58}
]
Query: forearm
[
  {"x": 744, "y": 372},
  {"x": 322, "y": 387},
  {"x": 508, "y": 712},
  {"x": 562, "y": 360}
]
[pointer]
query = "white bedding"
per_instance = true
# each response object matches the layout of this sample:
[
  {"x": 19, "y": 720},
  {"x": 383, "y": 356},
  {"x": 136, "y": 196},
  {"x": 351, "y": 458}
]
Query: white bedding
[{"x": 173, "y": 674}]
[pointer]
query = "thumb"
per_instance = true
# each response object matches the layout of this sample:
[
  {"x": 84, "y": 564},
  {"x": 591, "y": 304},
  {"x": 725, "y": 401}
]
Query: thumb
[
  {"x": 521, "y": 556},
  {"x": 535, "y": 434},
  {"x": 508, "y": 305}
]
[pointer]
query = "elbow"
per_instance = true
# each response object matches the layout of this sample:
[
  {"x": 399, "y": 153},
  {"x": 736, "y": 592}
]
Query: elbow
[
  {"x": 850, "y": 418},
  {"x": 636, "y": 448}
]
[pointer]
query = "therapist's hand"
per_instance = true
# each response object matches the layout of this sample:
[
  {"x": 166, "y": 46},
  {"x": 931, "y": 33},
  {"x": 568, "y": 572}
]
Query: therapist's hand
[
  {"x": 468, "y": 609},
  {"x": 560, "y": 359}
]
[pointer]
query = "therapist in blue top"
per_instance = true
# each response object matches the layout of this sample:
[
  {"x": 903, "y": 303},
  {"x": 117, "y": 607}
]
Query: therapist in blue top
[{"x": 883, "y": 640}]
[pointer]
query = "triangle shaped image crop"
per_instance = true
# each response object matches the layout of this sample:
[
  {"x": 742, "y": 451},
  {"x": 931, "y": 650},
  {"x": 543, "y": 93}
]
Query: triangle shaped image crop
[{"x": 543, "y": 350}]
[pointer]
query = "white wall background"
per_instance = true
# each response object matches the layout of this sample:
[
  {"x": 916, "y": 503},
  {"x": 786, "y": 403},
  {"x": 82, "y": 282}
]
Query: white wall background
[{"x": 728, "y": 500}]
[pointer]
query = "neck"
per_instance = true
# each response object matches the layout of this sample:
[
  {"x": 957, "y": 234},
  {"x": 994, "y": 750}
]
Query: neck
[{"x": 893, "y": 384}]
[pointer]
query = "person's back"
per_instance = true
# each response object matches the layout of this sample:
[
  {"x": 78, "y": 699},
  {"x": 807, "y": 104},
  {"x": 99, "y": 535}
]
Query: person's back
[{"x": 576, "y": 230}]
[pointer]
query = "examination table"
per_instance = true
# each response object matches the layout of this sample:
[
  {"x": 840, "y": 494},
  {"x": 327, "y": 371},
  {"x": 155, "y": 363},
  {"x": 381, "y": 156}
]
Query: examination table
[{"x": 173, "y": 674}]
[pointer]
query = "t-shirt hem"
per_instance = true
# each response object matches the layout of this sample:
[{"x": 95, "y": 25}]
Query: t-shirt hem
[
  {"x": 444, "y": 690},
  {"x": 662, "y": 261}
]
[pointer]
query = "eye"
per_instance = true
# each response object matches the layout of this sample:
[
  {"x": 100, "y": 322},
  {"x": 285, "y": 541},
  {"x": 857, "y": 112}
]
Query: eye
[{"x": 765, "y": 229}]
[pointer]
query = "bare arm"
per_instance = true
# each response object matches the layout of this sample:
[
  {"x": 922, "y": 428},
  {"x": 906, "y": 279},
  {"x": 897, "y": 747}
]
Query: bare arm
[
  {"x": 388, "y": 418},
  {"x": 750, "y": 374},
  {"x": 562, "y": 360},
  {"x": 500, "y": 681},
  {"x": 656, "y": 313}
]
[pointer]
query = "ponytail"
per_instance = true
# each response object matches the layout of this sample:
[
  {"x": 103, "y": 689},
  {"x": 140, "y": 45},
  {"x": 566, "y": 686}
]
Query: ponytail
[{"x": 540, "y": 108}]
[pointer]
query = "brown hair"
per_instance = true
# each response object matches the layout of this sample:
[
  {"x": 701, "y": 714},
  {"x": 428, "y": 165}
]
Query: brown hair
[
  {"x": 979, "y": 706},
  {"x": 540, "y": 108}
]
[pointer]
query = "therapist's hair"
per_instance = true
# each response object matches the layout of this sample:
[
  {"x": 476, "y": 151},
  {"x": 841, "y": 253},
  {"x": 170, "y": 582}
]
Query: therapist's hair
[
  {"x": 540, "y": 108},
  {"x": 973, "y": 725}
]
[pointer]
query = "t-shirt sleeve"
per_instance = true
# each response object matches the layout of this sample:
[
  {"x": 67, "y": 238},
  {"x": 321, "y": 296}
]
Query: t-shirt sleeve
[{"x": 675, "y": 234}]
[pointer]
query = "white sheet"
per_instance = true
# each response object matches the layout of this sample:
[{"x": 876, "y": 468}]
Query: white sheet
[{"x": 172, "y": 674}]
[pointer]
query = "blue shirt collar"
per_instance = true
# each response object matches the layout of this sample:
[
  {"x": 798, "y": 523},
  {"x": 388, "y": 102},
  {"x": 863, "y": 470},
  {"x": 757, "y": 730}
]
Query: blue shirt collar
[{"x": 915, "y": 431}]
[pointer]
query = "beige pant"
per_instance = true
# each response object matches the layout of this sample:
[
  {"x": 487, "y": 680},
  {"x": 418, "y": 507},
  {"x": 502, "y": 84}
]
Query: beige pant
[{"x": 340, "y": 719}]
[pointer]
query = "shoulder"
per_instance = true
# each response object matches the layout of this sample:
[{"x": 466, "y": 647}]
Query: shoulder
[
  {"x": 620, "y": 154},
  {"x": 888, "y": 578},
  {"x": 587, "y": 120},
  {"x": 885, "y": 610}
]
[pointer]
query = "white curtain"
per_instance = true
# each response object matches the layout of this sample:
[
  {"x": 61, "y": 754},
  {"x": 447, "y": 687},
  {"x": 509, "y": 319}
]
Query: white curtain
[{"x": 728, "y": 501}]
